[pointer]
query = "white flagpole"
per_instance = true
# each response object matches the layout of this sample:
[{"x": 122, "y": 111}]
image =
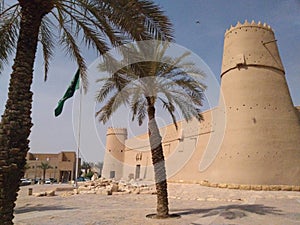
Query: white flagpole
[{"x": 79, "y": 130}]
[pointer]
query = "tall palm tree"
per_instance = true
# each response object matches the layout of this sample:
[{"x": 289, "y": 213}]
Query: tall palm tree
[
  {"x": 154, "y": 79},
  {"x": 97, "y": 24},
  {"x": 44, "y": 166}
]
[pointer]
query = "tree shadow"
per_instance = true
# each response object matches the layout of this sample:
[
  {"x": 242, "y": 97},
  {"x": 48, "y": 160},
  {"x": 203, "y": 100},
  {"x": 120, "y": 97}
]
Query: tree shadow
[
  {"x": 232, "y": 211},
  {"x": 39, "y": 208}
]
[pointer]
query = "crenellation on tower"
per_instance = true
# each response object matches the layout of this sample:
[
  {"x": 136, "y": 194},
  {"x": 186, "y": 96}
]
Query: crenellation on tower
[
  {"x": 116, "y": 131},
  {"x": 251, "y": 25},
  {"x": 250, "y": 44}
]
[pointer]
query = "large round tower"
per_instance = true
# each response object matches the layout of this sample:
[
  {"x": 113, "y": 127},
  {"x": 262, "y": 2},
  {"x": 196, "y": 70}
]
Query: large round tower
[
  {"x": 114, "y": 153},
  {"x": 261, "y": 144}
]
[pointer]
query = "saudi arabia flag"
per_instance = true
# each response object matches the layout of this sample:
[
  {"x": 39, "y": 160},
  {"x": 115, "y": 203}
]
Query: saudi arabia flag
[{"x": 68, "y": 94}]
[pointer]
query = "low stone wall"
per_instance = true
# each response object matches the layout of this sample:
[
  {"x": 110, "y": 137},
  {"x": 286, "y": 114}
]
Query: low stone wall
[
  {"x": 109, "y": 187},
  {"x": 254, "y": 187}
]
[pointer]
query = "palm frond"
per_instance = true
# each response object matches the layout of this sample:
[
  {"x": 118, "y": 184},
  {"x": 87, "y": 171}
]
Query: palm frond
[
  {"x": 47, "y": 41},
  {"x": 155, "y": 21},
  {"x": 136, "y": 102},
  {"x": 4, "y": 11},
  {"x": 112, "y": 105},
  {"x": 67, "y": 40},
  {"x": 106, "y": 88},
  {"x": 149, "y": 20},
  {"x": 141, "y": 112},
  {"x": 172, "y": 81},
  {"x": 171, "y": 109},
  {"x": 9, "y": 30},
  {"x": 1, "y": 5},
  {"x": 86, "y": 23},
  {"x": 138, "y": 108}
]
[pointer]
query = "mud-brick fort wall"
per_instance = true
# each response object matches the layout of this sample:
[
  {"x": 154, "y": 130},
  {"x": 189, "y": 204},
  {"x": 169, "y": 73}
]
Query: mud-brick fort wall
[
  {"x": 261, "y": 143},
  {"x": 182, "y": 149},
  {"x": 252, "y": 137}
]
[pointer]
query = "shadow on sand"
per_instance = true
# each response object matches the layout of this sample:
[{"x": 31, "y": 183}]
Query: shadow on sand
[
  {"x": 39, "y": 208},
  {"x": 231, "y": 211}
]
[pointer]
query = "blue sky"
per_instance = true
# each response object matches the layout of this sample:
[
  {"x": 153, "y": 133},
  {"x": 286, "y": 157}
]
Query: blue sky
[{"x": 51, "y": 134}]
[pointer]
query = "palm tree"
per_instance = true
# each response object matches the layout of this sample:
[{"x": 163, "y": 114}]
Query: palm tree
[
  {"x": 99, "y": 166},
  {"x": 45, "y": 166},
  {"x": 98, "y": 24},
  {"x": 26, "y": 167},
  {"x": 86, "y": 166},
  {"x": 154, "y": 78}
]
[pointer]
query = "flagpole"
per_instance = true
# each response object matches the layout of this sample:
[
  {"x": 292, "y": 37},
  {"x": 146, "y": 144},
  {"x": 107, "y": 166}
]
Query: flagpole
[{"x": 79, "y": 134}]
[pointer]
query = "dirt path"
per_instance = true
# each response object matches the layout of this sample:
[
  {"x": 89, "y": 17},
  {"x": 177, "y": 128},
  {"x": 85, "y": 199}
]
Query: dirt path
[{"x": 196, "y": 204}]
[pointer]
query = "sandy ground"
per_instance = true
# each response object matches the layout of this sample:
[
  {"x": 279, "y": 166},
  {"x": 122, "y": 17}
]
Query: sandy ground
[{"x": 196, "y": 204}]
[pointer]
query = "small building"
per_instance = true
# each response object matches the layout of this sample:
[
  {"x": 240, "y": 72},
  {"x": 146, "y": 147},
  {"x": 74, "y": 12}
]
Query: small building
[{"x": 63, "y": 165}]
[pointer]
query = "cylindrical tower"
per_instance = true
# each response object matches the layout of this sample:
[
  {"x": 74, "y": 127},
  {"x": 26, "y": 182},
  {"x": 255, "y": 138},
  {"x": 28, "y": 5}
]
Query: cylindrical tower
[
  {"x": 114, "y": 153},
  {"x": 261, "y": 144}
]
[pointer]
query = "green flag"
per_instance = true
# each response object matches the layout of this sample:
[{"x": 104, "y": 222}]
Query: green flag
[{"x": 68, "y": 94}]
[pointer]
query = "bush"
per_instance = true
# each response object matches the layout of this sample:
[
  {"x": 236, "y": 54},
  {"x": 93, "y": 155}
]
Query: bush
[{"x": 89, "y": 174}]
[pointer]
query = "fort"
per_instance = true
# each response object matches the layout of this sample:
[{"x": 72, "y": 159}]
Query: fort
[{"x": 251, "y": 138}]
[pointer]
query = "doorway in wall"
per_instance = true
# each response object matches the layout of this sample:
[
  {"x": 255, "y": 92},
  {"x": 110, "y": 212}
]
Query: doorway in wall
[
  {"x": 112, "y": 174},
  {"x": 137, "y": 171}
]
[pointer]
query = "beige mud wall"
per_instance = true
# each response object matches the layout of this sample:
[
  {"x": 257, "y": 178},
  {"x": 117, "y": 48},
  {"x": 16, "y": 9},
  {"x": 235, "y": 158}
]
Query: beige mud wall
[
  {"x": 252, "y": 137},
  {"x": 262, "y": 139}
]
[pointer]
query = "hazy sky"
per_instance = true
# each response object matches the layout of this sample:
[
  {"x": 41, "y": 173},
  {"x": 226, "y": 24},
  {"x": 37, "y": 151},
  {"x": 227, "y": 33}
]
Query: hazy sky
[{"x": 50, "y": 134}]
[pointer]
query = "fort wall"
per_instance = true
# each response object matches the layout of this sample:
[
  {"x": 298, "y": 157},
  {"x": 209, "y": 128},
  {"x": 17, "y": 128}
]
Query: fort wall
[
  {"x": 251, "y": 138},
  {"x": 261, "y": 144}
]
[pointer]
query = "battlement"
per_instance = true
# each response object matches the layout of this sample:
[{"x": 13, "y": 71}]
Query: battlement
[
  {"x": 116, "y": 131},
  {"x": 250, "y": 44},
  {"x": 246, "y": 24}
]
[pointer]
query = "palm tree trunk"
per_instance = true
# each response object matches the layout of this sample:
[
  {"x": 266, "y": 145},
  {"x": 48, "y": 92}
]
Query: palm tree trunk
[
  {"x": 158, "y": 161},
  {"x": 44, "y": 175},
  {"x": 16, "y": 121}
]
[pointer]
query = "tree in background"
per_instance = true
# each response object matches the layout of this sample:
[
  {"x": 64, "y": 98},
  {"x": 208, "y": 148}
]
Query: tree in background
[
  {"x": 44, "y": 166},
  {"x": 98, "y": 24},
  {"x": 26, "y": 167},
  {"x": 99, "y": 165},
  {"x": 89, "y": 175},
  {"x": 90, "y": 168},
  {"x": 155, "y": 79},
  {"x": 86, "y": 166}
]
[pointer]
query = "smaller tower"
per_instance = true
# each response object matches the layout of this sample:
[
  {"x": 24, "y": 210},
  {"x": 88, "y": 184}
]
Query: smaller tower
[{"x": 114, "y": 153}]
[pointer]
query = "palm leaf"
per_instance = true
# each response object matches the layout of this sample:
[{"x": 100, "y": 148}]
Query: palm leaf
[
  {"x": 47, "y": 41},
  {"x": 9, "y": 30},
  {"x": 172, "y": 81},
  {"x": 67, "y": 40}
]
